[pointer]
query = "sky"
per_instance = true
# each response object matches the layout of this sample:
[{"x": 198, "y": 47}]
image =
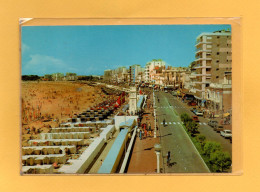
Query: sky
[{"x": 89, "y": 50}]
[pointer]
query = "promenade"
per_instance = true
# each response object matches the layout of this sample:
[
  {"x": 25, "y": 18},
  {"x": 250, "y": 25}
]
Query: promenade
[{"x": 143, "y": 159}]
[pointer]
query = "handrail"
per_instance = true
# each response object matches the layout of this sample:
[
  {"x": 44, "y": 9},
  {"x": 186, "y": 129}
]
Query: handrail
[{"x": 122, "y": 169}]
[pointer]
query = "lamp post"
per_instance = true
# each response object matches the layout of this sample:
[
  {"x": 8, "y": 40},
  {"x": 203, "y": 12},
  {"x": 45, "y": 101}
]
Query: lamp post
[
  {"x": 154, "y": 132},
  {"x": 158, "y": 148}
]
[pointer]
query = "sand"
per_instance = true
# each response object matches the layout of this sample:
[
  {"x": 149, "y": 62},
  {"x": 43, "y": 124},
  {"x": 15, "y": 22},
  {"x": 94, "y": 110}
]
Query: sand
[{"x": 46, "y": 104}]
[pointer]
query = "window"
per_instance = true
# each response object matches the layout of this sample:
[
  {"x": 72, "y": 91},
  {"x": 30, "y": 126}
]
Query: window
[
  {"x": 218, "y": 37},
  {"x": 217, "y": 77},
  {"x": 217, "y": 61},
  {"x": 207, "y": 69},
  {"x": 207, "y": 84},
  {"x": 217, "y": 53},
  {"x": 217, "y": 69},
  {"x": 217, "y": 45}
]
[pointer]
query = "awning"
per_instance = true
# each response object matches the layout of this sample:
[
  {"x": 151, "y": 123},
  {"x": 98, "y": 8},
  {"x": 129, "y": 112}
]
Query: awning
[{"x": 226, "y": 114}]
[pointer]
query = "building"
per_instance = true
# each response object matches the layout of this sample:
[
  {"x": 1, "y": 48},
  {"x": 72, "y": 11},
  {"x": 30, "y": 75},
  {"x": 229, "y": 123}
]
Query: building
[
  {"x": 149, "y": 69},
  {"x": 108, "y": 75},
  {"x": 174, "y": 77},
  {"x": 213, "y": 64},
  {"x": 136, "y": 74},
  {"x": 57, "y": 76},
  {"x": 71, "y": 77}
]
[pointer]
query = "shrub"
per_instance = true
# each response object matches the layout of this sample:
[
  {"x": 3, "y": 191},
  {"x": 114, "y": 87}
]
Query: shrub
[
  {"x": 211, "y": 147},
  {"x": 220, "y": 161}
]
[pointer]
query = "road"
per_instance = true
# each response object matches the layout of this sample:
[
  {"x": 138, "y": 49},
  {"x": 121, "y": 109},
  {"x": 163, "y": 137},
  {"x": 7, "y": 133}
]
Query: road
[
  {"x": 184, "y": 156},
  {"x": 204, "y": 128}
]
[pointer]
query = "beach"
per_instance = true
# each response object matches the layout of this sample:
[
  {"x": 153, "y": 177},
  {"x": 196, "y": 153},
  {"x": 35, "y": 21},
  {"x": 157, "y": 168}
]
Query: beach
[{"x": 47, "y": 104}]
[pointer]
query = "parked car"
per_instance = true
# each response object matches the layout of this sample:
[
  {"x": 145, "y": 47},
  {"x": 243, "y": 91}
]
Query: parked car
[
  {"x": 193, "y": 110},
  {"x": 174, "y": 93},
  {"x": 226, "y": 133},
  {"x": 218, "y": 128},
  {"x": 199, "y": 113},
  {"x": 192, "y": 103},
  {"x": 195, "y": 118},
  {"x": 166, "y": 91},
  {"x": 212, "y": 123}
]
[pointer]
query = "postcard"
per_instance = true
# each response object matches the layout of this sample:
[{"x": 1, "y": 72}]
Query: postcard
[{"x": 126, "y": 99}]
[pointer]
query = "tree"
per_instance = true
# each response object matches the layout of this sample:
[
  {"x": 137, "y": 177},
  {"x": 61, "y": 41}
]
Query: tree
[
  {"x": 201, "y": 139},
  {"x": 211, "y": 147},
  {"x": 220, "y": 161},
  {"x": 185, "y": 118},
  {"x": 192, "y": 127}
]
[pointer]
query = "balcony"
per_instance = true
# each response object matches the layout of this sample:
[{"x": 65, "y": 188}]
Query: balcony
[
  {"x": 203, "y": 58},
  {"x": 199, "y": 75},
  {"x": 199, "y": 42}
]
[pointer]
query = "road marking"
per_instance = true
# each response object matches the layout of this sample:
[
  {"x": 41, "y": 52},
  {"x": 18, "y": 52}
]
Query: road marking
[
  {"x": 205, "y": 123},
  {"x": 179, "y": 123},
  {"x": 182, "y": 123},
  {"x": 200, "y": 123},
  {"x": 165, "y": 123},
  {"x": 161, "y": 123},
  {"x": 170, "y": 123},
  {"x": 174, "y": 123}
]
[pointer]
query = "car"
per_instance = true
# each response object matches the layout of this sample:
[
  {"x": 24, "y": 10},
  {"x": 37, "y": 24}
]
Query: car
[
  {"x": 226, "y": 133},
  {"x": 192, "y": 103},
  {"x": 212, "y": 123},
  {"x": 199, "y": 113},
  {"x": 195, "y": 118},
  {"x": 166, "y": 91},
  {"x": 174, "y": 93},
  {"x": 218, "y": 128}
]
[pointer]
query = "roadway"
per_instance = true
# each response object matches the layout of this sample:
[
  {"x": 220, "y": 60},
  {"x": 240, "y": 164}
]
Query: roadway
[
  {"x": 204, "y": 128},
  {"x": 184, "y": 156}
]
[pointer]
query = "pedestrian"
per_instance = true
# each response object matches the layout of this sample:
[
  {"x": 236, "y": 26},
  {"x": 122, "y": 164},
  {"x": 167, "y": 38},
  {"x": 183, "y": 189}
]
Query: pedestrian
[
  {"x": 168, "y": 158},
  {"x": 140, "y": 134},
  {"x": 145, "y": 133},
  {"x": 163, "y": 122}
]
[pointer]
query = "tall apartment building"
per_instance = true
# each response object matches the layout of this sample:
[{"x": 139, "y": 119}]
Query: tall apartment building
[{"x": 213, "y": 64}]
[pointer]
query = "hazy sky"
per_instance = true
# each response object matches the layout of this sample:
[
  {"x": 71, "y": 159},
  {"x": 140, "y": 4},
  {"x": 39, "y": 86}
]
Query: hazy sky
[{"x": 87, "y": 50}]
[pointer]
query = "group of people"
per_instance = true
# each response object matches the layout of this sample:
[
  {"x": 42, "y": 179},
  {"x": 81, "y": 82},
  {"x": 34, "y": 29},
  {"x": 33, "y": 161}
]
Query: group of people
[{"x": 145, "y": 131}]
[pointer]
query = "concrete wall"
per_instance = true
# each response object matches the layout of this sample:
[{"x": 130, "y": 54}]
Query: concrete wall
[
  {"x": 82, "y": 163},
  {"x": 120, "y": 119}
]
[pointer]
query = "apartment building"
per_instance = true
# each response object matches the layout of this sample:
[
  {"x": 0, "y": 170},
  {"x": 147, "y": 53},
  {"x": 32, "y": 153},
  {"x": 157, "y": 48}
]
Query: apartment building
[
  {"x": 174, "y": 76},
  {"x": 149, "y": 69},
  {"x": 213, "y": 66}
]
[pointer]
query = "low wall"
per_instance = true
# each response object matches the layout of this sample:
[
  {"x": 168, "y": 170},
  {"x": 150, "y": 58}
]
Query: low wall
[
  {"x": 82, "y": 163},
  {"x": 106, "y": 132}
]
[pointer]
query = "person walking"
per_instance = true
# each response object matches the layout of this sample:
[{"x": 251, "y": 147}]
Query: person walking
[
  {"x": 140, "y": 134},
  {"x": 168, "y": 158},
  {"x": 164, "y": 122}
]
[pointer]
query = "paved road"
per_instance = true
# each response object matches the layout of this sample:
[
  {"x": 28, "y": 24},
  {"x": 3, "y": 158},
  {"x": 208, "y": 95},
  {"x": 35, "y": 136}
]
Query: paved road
[
  {"x": 184, "y": 156},
  {"x": 204, "y": 129}
]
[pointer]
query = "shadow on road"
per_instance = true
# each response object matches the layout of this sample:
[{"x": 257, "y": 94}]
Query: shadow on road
[
  {"x": 171, "y": 164},
  {"x": 165, "y": 135},
  {"x": 148, "y": 148}
]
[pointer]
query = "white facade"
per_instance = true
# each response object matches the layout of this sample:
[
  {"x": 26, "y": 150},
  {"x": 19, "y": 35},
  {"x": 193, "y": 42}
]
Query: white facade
[{"x": 132, "y": 101}]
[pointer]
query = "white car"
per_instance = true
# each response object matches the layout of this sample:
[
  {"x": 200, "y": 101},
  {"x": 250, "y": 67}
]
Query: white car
[
  {"x": 199, "y": 113},
  {"x": 166, "y": 91},
  {"x": 226, "y": 133}
]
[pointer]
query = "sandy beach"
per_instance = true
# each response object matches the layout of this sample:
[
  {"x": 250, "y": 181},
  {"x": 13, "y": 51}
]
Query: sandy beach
[{"x": 46, "y": 104}]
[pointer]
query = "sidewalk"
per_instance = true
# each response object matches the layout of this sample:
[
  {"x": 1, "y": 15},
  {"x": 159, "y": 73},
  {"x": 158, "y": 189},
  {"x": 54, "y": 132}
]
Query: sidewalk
[{"x": 143, "y": 159}]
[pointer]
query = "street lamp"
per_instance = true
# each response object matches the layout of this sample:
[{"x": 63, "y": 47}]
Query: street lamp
[
  {"x": 158, "y": 148},
  {"x": 154, "y": 132}
]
